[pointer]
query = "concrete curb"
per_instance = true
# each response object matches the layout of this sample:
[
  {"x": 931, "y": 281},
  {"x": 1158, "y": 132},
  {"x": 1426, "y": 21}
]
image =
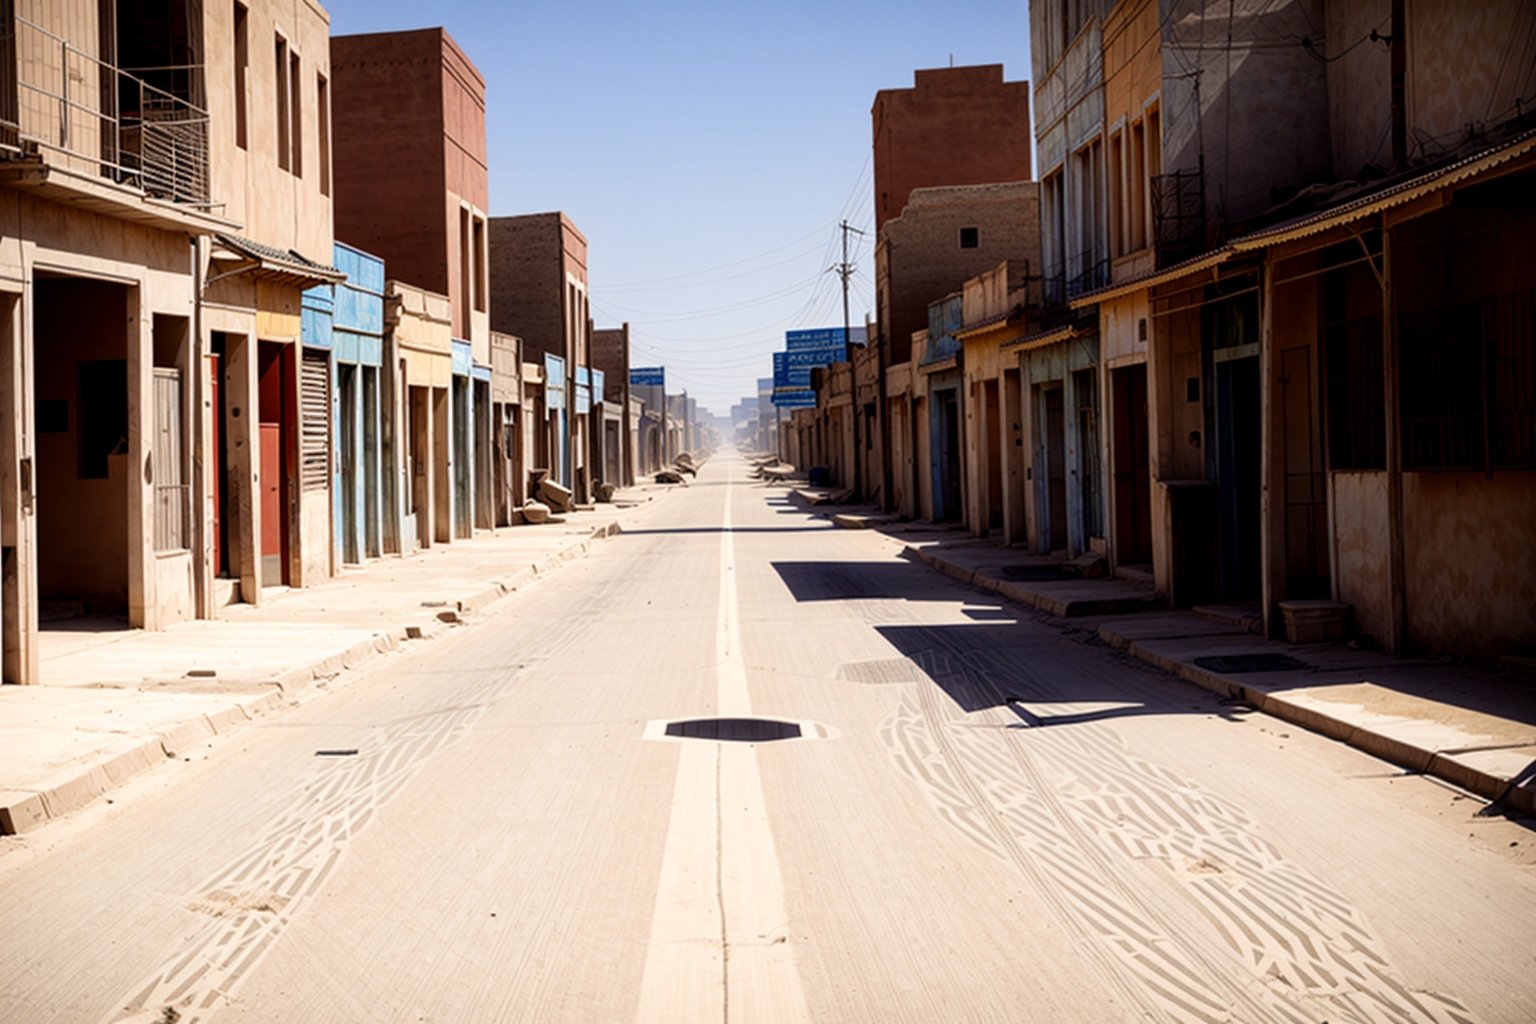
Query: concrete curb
[
  {"x": 75, "y": 786},
  {"x": 1402, "y": 741}
]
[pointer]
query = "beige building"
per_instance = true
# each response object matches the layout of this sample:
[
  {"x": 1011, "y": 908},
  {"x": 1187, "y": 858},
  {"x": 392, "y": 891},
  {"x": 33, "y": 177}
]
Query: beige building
[
  {"x": 163, "y": 203},
  {"x": 943, "y": 236},
  {"x": 1318, "y": 348}
]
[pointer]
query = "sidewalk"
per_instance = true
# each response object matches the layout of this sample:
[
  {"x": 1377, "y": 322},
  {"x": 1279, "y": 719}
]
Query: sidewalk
[
  {"x": 116, "y": 701},
  {"x": 1467, "y": 725}
]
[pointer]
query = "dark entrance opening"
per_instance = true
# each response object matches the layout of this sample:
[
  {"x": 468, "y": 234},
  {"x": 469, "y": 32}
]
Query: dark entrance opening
[
  {"x": 275, "y": 372},
  {"x": 1133, "y": 469},
  {"x": 82, "y": 472}
]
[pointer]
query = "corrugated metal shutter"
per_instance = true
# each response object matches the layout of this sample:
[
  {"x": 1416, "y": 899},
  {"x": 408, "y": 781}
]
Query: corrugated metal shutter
[
  {"x": 315, "y": 421},
  {"x": 168, "y": 463}
]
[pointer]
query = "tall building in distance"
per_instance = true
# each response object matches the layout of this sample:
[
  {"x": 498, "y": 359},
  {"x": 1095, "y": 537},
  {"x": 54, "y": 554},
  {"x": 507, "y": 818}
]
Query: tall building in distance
[{"x": 955, "y": 126}]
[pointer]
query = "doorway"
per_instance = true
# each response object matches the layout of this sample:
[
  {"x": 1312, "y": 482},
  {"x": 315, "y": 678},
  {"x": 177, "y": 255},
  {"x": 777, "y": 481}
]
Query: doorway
[
  {"x": 991, "y": 448},
  {"x": 1085, "y": 392},
  {"x": 946, "y": 455},
  {"x": 1054, "y": 463},
  {"x": 275, "y": 370},
  {"x": 1307, "y": 574},
  {"x": 346, "y": 389},
  {"x": 1132, "y": 467},
  {"x": 80, "y": 388},
  {"x": 1238, "y": 470}
]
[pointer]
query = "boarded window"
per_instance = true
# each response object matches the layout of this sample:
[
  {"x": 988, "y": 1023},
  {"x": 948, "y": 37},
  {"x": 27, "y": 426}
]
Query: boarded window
[
  {"x": 1469, "y": 385},
  {"x": 315, "y": 421},
  {"x": 168, "y": 460}
]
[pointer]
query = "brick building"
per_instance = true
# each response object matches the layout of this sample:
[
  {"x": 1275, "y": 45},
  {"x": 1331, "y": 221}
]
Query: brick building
[
  {"x": 412, "y": 188},
  {"x": 610, "y": 356},
  {"x": 538, "y": 278},
  {"x": 955, "y": 126}
]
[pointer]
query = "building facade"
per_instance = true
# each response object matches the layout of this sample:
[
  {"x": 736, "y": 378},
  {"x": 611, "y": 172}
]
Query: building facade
[
  {"x": 156, "y": 235},
  {"x": 412, "y": 187},
  {"x": 538, "y": 281}
]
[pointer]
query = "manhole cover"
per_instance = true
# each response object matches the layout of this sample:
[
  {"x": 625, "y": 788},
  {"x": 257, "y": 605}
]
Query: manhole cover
[
  {"x": 1235, "y": 663},
  {"x": 1032, "y": 573},
  {"x": 735, "y": 730}
]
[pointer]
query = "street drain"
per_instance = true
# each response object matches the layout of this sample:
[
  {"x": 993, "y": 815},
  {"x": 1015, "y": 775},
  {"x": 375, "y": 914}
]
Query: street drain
[
  {"x": 1231, "y": 664},
  {"x": 735, "y": 730}
]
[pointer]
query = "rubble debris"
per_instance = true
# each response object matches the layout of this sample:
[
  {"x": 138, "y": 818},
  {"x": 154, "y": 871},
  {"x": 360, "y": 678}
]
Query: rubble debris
[{"x": 535, "y": 512}]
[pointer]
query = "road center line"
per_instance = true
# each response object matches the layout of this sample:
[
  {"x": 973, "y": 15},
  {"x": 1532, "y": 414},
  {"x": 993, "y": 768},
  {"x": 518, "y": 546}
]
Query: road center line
[{"x": 720, "y": 940}]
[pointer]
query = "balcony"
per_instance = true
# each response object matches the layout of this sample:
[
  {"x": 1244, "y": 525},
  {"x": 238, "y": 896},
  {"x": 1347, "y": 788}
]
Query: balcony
[{"x": 80, "y": 130}]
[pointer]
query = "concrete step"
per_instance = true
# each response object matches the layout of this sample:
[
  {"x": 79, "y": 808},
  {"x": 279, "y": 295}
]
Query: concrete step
[
  {"x": 1135, "y": 573},
  {"x": 1245, "y": 616}
]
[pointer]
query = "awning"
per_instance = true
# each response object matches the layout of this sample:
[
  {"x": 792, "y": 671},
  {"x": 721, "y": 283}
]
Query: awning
[
  {"x": 234, "y": 255},
  {"x": 1152, "y": 278},
  {"x": 987, "y": 324},
  {"x": 1386, "y": 198},
  {"x": 1053, "y": 336}
]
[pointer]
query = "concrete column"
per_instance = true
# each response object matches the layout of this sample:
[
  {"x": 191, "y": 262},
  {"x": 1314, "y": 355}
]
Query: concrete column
[
  {"x": 1011, "y": 438},
  {"x": 18, "y": 523},
  {"x": 139, "y": 349}
]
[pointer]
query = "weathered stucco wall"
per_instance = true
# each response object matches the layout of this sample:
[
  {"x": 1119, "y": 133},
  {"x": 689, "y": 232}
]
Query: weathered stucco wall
[
  {"x": 1467, "y": 63},
  {"x": 1469, "y": 553},
  {"x": 1361, "y": 537}
]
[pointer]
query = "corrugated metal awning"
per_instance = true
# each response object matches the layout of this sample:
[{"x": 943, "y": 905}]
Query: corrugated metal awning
[{"x": 264, "y": 261}]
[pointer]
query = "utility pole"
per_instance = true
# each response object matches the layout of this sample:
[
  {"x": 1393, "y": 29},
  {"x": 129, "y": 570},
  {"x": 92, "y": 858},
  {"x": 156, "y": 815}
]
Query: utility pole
[{"x": 845, "y": 271}]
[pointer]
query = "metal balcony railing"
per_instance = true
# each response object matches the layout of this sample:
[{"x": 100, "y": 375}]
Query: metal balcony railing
[{"x": 95, "y": 118}]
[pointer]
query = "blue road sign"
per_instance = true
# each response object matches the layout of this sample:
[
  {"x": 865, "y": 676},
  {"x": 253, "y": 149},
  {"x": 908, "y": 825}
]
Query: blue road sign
[{"x": 647, "y": 376}]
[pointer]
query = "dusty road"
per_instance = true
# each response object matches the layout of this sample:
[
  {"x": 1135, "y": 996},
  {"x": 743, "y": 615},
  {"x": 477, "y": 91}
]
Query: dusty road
[{"x": 986, "y": 817}]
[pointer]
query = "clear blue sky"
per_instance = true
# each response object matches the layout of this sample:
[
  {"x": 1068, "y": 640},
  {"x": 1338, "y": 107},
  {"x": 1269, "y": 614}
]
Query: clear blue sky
[{"x": 706, "y": 150}]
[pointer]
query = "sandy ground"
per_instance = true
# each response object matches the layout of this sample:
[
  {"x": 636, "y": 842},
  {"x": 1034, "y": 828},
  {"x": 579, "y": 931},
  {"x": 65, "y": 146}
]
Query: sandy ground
[{"x": 987, "y": 816}]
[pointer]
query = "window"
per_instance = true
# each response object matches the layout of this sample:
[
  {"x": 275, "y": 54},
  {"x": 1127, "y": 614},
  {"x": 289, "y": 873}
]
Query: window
[
  {"x": 169, "y": 462},
  {"x": 969, "y": 238},
  {"x": 466, "y": 269},
  {"x": 323, "y": 110},
  {"x": 242, "y": 62},
  {"x": 481, "y": 284},
  {"x": 1138, "y": 187},
  {"x": 280, "y": 48},
  {"x": 296, "y": 123},
  {"x": 1117, "y": 194},
  {"x": 315, "y": 420},
  {"x": 1468, "y": 379}
]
